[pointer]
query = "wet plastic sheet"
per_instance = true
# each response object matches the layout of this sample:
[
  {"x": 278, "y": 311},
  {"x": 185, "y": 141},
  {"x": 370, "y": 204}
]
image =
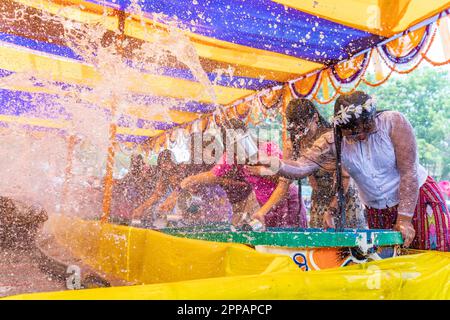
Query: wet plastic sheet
[{"x": 192, "y": 269}]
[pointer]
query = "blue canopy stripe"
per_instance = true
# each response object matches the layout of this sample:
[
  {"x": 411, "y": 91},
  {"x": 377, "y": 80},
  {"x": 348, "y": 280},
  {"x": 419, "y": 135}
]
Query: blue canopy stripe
[{"x": 263, "y": 24}]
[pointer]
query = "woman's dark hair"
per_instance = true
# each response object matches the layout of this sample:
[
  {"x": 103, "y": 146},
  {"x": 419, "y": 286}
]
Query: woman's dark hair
[
  {"x": 137, "y": 163},
  {"x": 232, "y": 124},
  {"x": 166, "y": 156},
  {"x": 355, "y": 98},
  {"x": 300, "y": 111}
]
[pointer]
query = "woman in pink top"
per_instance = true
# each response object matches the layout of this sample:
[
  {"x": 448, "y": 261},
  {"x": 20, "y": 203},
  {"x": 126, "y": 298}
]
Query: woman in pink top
[{"x": 277, "y": 198}]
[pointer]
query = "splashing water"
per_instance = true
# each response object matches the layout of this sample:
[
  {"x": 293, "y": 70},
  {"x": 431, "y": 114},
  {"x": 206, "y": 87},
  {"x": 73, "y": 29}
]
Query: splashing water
[{"x": 35, "y": 162}]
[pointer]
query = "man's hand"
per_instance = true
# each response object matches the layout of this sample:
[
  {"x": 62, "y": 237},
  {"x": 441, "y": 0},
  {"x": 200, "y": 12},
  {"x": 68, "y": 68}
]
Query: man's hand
[{"x": 406, "y": 228}]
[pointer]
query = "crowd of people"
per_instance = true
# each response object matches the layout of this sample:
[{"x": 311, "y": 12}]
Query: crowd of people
[{"x": 363, "y": 169}]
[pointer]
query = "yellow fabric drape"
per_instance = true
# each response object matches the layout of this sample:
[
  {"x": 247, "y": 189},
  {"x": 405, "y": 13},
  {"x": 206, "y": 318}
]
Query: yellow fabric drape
[
  {"x": 177, "y": 268},
  {"x": 348, "y": 68},
  {"x": 62, "y": 124},
  {"x": 377, "y": 65},
  {"x": 401, "y": 46},
  {"x": 324, "y": 84},
  {"x": 305, "y": 85},
  {"x": 247, "y": 61},
  {"x": 382, "y": 17}
]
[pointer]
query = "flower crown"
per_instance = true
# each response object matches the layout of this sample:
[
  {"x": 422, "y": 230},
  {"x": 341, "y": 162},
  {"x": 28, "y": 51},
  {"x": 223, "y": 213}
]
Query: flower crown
[{"x": 345, "y": 113}]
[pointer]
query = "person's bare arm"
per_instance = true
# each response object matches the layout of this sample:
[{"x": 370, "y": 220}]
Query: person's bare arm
[
  {"x": 231, "y": 182},
  {"x": 288, "y": 148},
  {"x": 170, "y": 202},
  {"x": 210, "y": 178},
  {"x": 207, "y": 177},
  {"x": 297, "y": 169},
  {"x": 282, "y": 188},
  {"x": 320, "y": 155},
  {"x": 160, "y": 188},
  {"x": 405, "y": 148},
  {"x": 275, "y": 198}
]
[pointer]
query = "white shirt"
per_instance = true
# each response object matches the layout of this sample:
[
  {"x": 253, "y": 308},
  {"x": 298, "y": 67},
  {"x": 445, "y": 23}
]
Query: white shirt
[{"x": 372, "y": 165}]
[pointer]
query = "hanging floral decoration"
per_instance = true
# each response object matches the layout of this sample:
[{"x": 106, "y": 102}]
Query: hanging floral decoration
[{"x": 401, "y": 54}]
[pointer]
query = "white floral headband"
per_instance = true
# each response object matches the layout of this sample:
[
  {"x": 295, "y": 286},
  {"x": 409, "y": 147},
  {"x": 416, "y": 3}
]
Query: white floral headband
[{"x": 345, "y": 113}]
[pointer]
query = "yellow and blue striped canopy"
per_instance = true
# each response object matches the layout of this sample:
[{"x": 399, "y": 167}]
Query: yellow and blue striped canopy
[{"x": 266, "y": 43}]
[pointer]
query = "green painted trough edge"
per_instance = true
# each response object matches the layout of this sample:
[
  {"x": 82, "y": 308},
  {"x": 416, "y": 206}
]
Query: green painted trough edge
[{"x": 300, "y": 238}]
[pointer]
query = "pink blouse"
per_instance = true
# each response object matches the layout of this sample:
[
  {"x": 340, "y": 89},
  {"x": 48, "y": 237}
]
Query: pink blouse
[{"x": 262, "y": 186}]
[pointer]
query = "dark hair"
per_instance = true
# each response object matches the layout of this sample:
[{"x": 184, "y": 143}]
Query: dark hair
[
  {"x": 137, "y": 160},
  {"x": 355, "y": 98},
  {"x": 232, "y": 124},
  {"x": 300, "y": 111},
  {"x": 165, "y": 156},
  {"x": 137, "y": 164}
]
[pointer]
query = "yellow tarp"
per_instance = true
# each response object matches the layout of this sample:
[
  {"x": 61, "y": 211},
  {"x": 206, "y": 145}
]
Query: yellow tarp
[
  {"x": 383, "y": 17},
  {"x": 191, "y": 269}
]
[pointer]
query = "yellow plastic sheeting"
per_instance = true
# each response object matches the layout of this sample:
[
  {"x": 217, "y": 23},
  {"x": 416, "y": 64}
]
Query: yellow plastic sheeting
[
  {"x": 192, "y": 269},
  {"x": 146, "y": 256},
  {"x": 383, "y": 17},
  {"x": 419, "y": 276}
]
